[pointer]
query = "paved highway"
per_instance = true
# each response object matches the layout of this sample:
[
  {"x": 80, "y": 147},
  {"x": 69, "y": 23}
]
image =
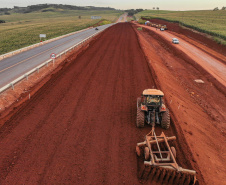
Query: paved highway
[{"x": 13, "y": 67}]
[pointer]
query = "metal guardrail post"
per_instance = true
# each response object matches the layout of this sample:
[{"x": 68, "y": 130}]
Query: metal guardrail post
[{"x": 12, "y": 85}]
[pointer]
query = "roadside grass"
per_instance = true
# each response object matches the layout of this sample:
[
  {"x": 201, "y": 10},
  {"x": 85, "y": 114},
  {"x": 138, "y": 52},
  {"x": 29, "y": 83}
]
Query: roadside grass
[
  {"x": 131, "y": 18},
  {"x": 206, "y": 21},
  {"x": 21, "y": 30}
]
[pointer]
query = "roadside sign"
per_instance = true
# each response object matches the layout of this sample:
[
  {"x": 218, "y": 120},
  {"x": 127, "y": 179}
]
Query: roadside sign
[
  {"x": 53, "y": 55},
  {"x": 95, "y": 17},
  {"x": 42, "y": 35}
]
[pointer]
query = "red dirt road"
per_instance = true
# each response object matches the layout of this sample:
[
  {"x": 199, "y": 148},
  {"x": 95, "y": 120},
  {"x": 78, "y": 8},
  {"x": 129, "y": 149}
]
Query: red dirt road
[
  {"x": 198, "y": 110},
  {"x": 212, "y": 62},
  {"x": 79, "y": 128}
]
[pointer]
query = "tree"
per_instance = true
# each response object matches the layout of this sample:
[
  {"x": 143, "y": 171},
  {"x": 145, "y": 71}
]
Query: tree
[
  {"x": 153, "y": 8},
  {"x": 223, "y": 8},
  {"x": 157, "y": 8},
  {"x": 139, "y": 10},
  {"x": 215, "y": 9}
]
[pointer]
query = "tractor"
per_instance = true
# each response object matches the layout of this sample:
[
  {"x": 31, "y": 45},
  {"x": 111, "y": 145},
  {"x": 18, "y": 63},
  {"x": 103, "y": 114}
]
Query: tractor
[
  {"x": 152, "y": 110},
  {"x": 157, "y": 153}
]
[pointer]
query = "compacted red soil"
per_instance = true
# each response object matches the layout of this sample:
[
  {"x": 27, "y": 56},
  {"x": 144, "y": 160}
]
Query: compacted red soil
[
  {"x": 197, "y": 109},
  {"x": 79, "y": 128}
]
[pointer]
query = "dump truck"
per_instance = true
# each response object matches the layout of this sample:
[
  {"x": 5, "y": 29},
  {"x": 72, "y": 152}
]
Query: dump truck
[{"x": 159, "y": 157}]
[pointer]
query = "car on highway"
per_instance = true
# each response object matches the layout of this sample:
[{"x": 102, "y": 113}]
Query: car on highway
[
  {"x": 96, "y": 28},
  {"x": 175, "y": 41},
  {"x": 162, "y": 29}
]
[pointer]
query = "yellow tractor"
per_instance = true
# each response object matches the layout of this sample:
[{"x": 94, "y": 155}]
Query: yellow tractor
[
  {"x": 151, "y": 109},
  {"x": 159, "y": 157}
]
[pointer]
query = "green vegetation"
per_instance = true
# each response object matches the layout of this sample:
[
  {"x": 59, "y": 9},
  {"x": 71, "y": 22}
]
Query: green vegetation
[
  {"x": 48, "y": 7},
  {"x": 131, "y": 12},
  {"x": 131, "y": 18},
  {"x": 21, "y": 30},
  {"x": 141, "y": 21},
  {"x": 103, "y": 22},
  {"x": 206, "y": 21}
]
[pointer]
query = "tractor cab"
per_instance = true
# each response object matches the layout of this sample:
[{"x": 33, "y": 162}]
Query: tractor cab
[
  {"x": 151, "y": 109},
  {"x": 151, "y": 99}
]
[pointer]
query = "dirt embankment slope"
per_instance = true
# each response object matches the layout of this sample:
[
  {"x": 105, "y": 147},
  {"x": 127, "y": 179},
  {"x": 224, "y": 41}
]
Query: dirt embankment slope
[
  {"x": 198, "y": 109},
  {"x": 203, "y": 39}
]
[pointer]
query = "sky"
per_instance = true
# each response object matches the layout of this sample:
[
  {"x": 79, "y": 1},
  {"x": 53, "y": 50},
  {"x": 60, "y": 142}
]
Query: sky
[{"x": 126, "y": 4}]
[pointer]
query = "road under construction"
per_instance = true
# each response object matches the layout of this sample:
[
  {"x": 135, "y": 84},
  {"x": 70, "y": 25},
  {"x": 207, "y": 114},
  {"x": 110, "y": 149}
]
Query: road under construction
[{"x": 79, "y": 127}]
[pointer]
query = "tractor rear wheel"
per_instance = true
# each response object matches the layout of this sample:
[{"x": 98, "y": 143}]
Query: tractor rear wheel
[
  {"x": 138, "y": 151},
  {"x": 140, "y": 117},
  {"x": 138, "y": 101},
  {"x": 165, "y": 122}
]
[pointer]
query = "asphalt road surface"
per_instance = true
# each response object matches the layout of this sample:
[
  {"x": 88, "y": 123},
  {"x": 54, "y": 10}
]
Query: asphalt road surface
[{"x": 17, "y": 65}]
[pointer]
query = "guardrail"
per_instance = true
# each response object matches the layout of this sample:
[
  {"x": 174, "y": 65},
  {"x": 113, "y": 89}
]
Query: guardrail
[
  {"x": 37, "y": 44},
  {"x": 11, "y": 84}
]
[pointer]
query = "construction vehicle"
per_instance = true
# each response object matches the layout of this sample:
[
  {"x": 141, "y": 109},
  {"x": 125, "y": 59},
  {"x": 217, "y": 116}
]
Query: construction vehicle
[
  {"x": 159, "y": 158},
  {"x": 147, "y": 23},
  {"x": 165, "y": 27},
  {"x": 151, "y": 109}
]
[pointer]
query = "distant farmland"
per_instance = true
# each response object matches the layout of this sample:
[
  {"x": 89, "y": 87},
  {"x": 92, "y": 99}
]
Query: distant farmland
[
  {"x": 206, "y": 21},
  {"x": 21, "y": 29}
]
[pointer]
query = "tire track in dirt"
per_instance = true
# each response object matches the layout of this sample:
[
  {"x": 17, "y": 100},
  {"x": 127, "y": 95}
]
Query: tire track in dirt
[
  {"x": 62, "y": 93},
  {"x": 79, "y": 128},
  {"x": 42, "y": 122},
  {"x": 199, "y": 109}
]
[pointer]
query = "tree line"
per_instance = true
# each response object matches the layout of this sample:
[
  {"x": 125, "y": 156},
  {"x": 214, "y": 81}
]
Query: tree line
[
  {"x": 32, "y": 8},
  {"x": 223, "y": 8},
  {"x": 131, "y": 12}
]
